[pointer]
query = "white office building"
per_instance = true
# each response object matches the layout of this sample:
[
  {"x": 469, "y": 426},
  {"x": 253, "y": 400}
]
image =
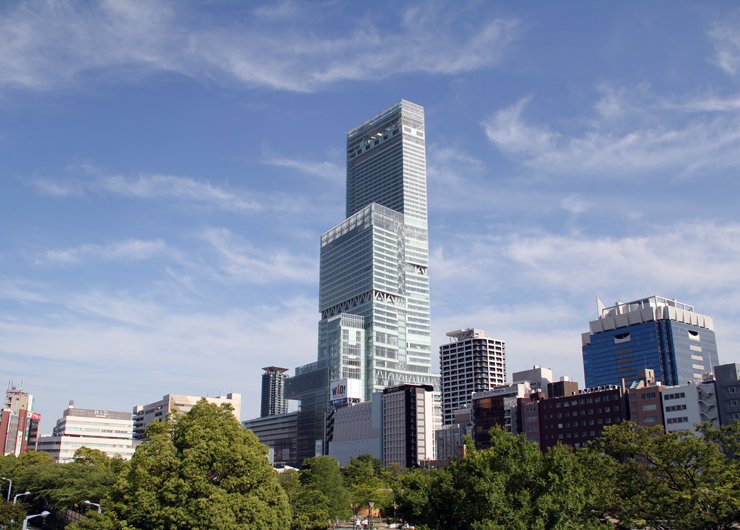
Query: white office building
[
  {"x": 144, "y": 415},
  {"x": 685, "y": 405},
  {"x": 110, "y": 432}
]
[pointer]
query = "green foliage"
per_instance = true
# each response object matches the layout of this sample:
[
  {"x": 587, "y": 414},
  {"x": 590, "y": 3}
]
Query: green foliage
[
  {"x": 321, "y": 474},
  {"x": 198, "y": 472},
  {"x": 309, "y": 507},
  {"x": 9, "y": 513},
  {"x": 510, "y": 486},
  {"x": 679, "y": 480}
]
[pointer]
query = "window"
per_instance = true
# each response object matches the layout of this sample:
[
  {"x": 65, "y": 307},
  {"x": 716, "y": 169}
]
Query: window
[
  {"x": 590, "y": 411},
  {"x": 650, "y": 419},
  {"x": 694, "y": 335},
  {"x": 646, "y": 408},
  {"x": 607, "y": 409},
  {"x": 560, "y": 414},
  {"x": 648, "y": 395}
]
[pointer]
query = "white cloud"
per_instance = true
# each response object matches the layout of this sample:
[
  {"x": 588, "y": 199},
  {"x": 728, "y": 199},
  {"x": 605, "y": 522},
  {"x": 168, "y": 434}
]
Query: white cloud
[
  {"x": 606, "y": 150},
  {"x": 240, "y": 262},
  {"x": 699, "y": 257},
  {"x": 59, "y": 188},
  {"x": 575, "y": 204},
  {"x": 726, "y": 37},
  {"x": 157, "y": 186},
  {"x": 133, "y": 249},
  {"x": 508, "y": 131},
  {"x": 45, "y": 45},
  {"x": 325, "y": 170}
]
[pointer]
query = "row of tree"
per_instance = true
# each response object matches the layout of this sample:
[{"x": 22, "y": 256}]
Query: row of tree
[{"x": 203, "y": 470}]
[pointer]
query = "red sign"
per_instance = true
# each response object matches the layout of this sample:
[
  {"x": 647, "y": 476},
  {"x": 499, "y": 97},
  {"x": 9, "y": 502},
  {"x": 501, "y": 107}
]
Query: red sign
[{"x": 33, "y": 415}]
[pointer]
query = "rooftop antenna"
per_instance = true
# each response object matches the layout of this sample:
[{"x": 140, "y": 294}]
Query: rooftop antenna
[{"x": 22, "y": 379}]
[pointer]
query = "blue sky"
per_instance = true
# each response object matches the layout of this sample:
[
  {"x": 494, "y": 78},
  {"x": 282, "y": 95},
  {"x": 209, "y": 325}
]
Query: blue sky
[{"x": 167, "y": 169}]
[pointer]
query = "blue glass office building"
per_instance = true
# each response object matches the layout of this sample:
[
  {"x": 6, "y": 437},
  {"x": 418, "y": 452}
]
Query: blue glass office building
[
  {"x": 656, "y": 333},
  {"x": 374, "y": 285}
]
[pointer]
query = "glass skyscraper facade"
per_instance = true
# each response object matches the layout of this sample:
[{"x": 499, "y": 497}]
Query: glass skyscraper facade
[
  {"x": 658, "y": 333},
  {"x": 373, "y": 285}
]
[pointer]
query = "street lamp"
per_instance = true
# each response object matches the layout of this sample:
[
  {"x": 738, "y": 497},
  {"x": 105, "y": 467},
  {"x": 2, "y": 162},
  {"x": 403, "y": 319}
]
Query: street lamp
[
  {"x": 10, "y": 486},
  {"x": 93, "y": 504},
  {"x": 20, "y": 495},
  {"x": 25, "y": 522},
  {"x": 370, "y": 515}
]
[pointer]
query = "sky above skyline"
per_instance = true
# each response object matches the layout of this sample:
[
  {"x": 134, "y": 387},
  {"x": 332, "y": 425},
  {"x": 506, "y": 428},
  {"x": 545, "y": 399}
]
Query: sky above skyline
[{"x": 167, "y": 170}]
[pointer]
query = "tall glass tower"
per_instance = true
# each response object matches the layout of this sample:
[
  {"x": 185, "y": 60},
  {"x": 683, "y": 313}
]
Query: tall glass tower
[{"x": 374, "y": 286}]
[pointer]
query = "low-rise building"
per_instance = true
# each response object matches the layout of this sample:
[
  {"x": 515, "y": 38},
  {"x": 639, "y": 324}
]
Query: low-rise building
[
  {"x": 497, "y": 407},
  {"x": 644, "y": 398},
  {"x": 279, "y": 432},
  {"x": 358, "y": 429},
  {"x": 575, "y": 420},
  {"x": 449, "y": 439},
  {"x": 144, "y": 415},
  {"x": 727, "y": 381},
  {"x": 685, "y": 405},
  {"x": 108, "y": 431}
]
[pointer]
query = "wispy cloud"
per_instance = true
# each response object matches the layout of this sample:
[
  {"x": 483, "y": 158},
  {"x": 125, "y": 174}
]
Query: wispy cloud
[
  {"x": 239, "y": 261},
  {"x": 605, "y": 149},
  {"x": 45, "y": 45},
  {"x": 159, "y": 186},
  {"x": 702, "y": 256},
  {"x": 131, "y": 250},
  {"x": 325, "y": 170},
  {"x": 726, "y": 37},
  {"x": 183, "y": 189}
]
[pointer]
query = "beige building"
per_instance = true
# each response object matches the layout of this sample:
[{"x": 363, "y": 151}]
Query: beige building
[
  {"x": 408, "y": 425},
  {"x": 106, "y": 430},
  {"x": 144, "y": 415}
]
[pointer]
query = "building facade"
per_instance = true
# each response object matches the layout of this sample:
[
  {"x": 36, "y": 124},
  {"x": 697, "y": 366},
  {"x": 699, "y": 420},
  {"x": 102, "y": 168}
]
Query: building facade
[
  {"x": 408, "y": 430},
  {"x": 469, "y": 363},
  {"x": 727, "y": 381},
  {"x": 655, "y": 333},
  {"x": 373, "y": 285},
  {"x": 497, "y": 407},
  {"x": 686, "y": 405},
  {"x": 143, "y": 415},
  {"x": 18, "y": 422},
  {"x": 273, "y": 391},
  {"x": 108, "y": 431},
  {"x": 577, "y": 419},
  {"x": 358, "y": 429},
  {"x": 278, "y": 432}
]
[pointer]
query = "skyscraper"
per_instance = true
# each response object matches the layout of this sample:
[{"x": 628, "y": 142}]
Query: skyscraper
[
  {"x": 653, "y": 333},
  {"x": 469, "y": 363},
  {"x": 273, "y": 398},
  {"x": 373, "y": 285}
]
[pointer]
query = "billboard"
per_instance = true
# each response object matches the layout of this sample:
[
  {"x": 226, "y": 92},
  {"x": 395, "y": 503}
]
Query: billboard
[
  {"x": 33, "y": 415},
  {"x": 345, "y": 391}
]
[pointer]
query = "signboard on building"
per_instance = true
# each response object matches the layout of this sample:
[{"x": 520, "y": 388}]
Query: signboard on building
[
  {"x": 319, "y": 448},
  {"x": 345, "y": 391},
  {"x": 33, "y": 415}
]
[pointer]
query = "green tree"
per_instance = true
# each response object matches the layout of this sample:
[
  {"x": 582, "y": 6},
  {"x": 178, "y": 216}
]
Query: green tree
[
  {"x": 198, "y": 471},
  {"x": 680, "y": 480},
  {"x": 510, "y": 486},
  {"x": 322, "y": 474}
]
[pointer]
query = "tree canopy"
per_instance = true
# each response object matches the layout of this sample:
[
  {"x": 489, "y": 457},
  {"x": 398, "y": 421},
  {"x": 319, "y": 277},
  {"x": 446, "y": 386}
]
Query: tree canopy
[{"x": 198, "y": 471}]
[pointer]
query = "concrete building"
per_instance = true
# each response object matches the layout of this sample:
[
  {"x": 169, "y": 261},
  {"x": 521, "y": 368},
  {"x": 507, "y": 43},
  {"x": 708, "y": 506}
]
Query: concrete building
[
  {"x": 577, "y": 419},
  {"x": 655, "y": 333},
  {"x": 408, "y": 430},
  {"x": 564, "y": 387},
  {"x": 645, "y": 401},
  {"x": 469, "y": 363},
  {"x": 497, "y": 407},
  {"x": 18, "y": 422},
  {"x": 358, "y": 429},
  {"x": 450, "y": 443},
  {"x": 273, "y": 391},
  {"x": 143, "y": 415},
  {"x": 727, "y": 381},
  {"x": 373, "y": 286},
  {"x": 538, "y": 378},
  {"x": 685, "y": 405},
  {"x": 108, "y": 431},
  {"x": 279, "y": 433}
]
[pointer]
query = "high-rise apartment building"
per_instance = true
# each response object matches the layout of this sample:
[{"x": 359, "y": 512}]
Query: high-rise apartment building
[
  {"x": 273, "y": 391},
  {"x": 373, "y": 286},
  {"x": 470, "y": 363},
  {"x": 653, "y": 333}
]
